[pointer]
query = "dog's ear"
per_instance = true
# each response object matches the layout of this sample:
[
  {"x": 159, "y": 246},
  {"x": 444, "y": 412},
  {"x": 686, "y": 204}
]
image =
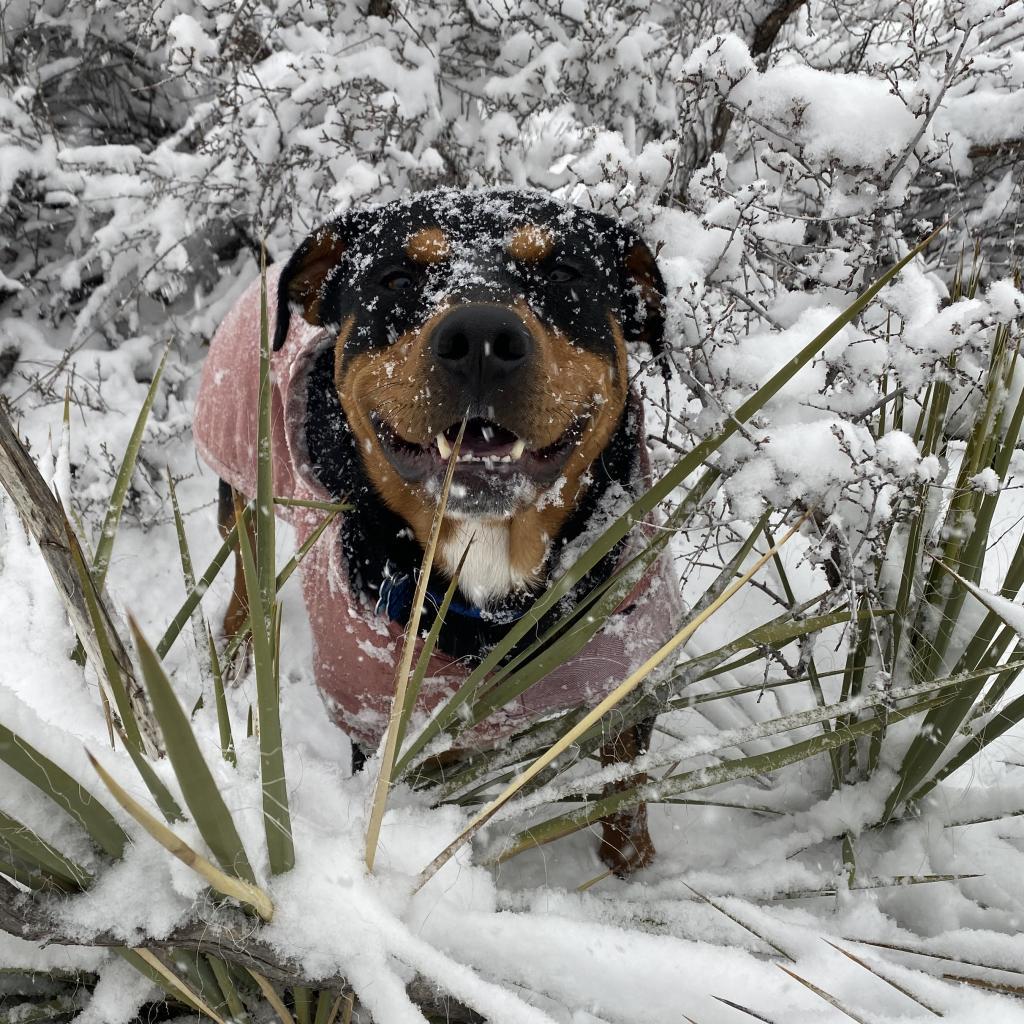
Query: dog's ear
[
  {"x": 643, "y": 313},
  {"x": 304, "y": 277}
]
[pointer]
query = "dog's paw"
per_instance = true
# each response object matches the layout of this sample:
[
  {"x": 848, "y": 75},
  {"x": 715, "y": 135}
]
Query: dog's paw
[{"x": 626, "y": 844}]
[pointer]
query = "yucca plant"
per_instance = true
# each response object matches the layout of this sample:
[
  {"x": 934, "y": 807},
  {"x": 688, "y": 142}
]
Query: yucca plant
[{"x": 909, "y": 628}]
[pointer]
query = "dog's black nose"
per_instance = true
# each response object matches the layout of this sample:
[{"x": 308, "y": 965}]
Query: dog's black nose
[{"x": 481, "y": 345}]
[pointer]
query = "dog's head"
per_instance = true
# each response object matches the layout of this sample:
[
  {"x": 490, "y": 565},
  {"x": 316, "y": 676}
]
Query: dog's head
[{"x": 503, "y": 307}]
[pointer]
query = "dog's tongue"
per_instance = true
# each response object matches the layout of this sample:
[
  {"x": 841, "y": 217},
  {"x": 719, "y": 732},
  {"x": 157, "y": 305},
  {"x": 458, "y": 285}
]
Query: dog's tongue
[{"x": 483, "y": 438}]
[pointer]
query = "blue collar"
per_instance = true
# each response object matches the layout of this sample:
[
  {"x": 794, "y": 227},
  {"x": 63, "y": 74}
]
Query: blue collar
[{"x": 396, "y": 594}]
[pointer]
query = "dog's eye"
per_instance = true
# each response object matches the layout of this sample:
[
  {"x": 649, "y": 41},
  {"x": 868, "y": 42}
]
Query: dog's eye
[
  {"x": 561, "y": 273},
  {"x": 397, "y": 281}
]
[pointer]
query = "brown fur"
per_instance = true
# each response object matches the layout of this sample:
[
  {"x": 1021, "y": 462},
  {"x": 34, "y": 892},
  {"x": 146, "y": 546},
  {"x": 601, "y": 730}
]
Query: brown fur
[
  {"x": 237, "y": 612},
  {"x": 428, "y": 245},
  {"x": 584, "y": 382},
  {"x": 626, "y": 844},
  {"x": 531, "y": 243},
  {"x": 324, "y": 252},
  {"x": 640, "y": 263}
]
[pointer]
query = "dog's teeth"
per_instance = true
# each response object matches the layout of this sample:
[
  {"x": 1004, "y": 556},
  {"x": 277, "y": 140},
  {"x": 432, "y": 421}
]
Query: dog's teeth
[
  {"x": 444, "y": 447},
  {"x": 487, "y": 432},
  {"x": 517, "y": 451}
]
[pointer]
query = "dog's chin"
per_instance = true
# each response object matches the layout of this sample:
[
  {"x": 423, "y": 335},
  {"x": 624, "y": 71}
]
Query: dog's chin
[
  {"x": 479, "y": 494},
  {"x": 497, "y": 473}
]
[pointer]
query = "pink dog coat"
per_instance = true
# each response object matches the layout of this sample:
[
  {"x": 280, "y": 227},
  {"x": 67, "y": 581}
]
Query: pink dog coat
[{"x": 357, "y": 649}]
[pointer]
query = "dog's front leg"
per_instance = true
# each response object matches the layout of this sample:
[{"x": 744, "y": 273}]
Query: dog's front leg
[{"x": 626, "y": 844}]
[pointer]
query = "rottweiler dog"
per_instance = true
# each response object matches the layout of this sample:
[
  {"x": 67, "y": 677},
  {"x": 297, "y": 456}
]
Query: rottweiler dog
[{"x": 504, "y": 310}]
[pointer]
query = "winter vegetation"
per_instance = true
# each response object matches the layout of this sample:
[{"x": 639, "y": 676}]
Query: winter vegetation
[{"x": 833, "y": 189}]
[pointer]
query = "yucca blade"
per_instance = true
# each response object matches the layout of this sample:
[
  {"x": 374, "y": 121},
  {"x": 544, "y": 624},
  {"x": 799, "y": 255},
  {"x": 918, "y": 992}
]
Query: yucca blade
[
  {"x": 429, "y": 645},
  {"x": 112, "y": 519},
  {"x": 777, "y": 634},
  {"x": 161, "y": 794},
  {"x": 703, "y": 778},
  {"x": 322, "y": 506},
  {"x": 266, "y": 550},
  {"x": 743, "y": 1009},
  {"x": 108, "y": 671},
  {"x": 229, "y": 989},
  {"x": 325, "y": 1007},
  {"x": 32, "y": 849},
  {"x": 301, "y": 997},
  {"x": 230, "y": 885},
  {"x": 184, "y": 613},
  {"x": 198, "y": 786},
  {"x": 27, "y": 874},
  {"x": 693, "y": 700},
  {"x": 276, "y": 814},
  {"x": 187, "y": 572},
  {"x": 401, "y": 707},
  {"x": 282, "y": 578},
  {"x": 63, "y": 790},
  {"x": 743, "y": 924},
  {"x": 175, "y": 984},
  {"x": 227, "y": 741},
  {"x": 920, "y": 950},
  {"x": 271, "y": 996},
  {"x": 871, "y": 968},
  {"x": 592, "y": 717},
  {"x": 822, "y": 994},
  {"x": 868, "y": 884}
]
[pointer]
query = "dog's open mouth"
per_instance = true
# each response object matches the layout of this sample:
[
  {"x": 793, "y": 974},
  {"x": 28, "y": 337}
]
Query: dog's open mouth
[{"x": 487, "y": 448}]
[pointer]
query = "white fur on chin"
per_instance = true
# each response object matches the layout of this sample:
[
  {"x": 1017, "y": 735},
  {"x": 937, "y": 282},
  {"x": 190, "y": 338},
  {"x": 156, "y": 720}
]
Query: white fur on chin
[{"x": 488, "y": 573}]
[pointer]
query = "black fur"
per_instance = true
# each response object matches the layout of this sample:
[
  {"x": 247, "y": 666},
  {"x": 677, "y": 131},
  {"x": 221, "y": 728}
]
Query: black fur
[{"x": 368, "y": 242}]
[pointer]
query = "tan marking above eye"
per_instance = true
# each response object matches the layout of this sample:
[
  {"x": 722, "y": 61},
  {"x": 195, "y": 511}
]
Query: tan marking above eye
[
  {"x": 428, "y": 245},
  {"x": 531, "y": 243}
]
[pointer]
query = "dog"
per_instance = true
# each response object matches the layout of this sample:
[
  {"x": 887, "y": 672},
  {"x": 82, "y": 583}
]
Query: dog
[{"x": 507, "y": 311}]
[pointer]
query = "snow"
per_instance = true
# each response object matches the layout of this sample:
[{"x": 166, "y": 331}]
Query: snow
[
  {"x": 1012, "y": 614},
  {"x": 132, "y": 209}
]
